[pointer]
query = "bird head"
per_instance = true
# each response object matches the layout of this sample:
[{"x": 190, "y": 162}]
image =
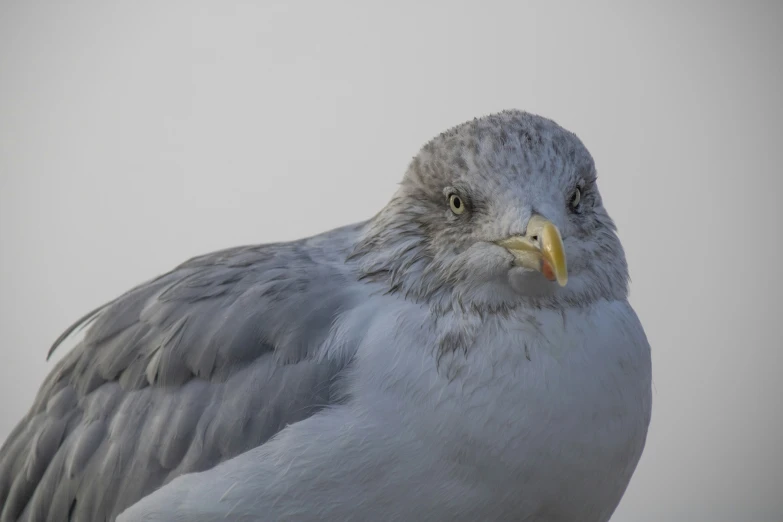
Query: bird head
[{"x": 495, "y": 211}]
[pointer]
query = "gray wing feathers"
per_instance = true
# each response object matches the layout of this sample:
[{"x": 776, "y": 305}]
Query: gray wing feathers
[{"x": 177, "y": 375}]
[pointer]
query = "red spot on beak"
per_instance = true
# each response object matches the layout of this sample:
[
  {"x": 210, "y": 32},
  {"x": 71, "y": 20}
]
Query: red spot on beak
[{"x": 547, "y": 270}]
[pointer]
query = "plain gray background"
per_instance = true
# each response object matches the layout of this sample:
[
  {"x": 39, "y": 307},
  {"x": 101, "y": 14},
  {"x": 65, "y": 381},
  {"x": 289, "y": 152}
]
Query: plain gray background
[{"x": 135, "y": 135}]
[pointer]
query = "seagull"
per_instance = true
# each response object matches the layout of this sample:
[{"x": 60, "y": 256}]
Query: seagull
[{"x": 469, "y": 353}]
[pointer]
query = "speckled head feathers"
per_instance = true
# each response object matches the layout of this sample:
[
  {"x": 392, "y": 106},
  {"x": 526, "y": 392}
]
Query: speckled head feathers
[{"x": 504, "y": 168}]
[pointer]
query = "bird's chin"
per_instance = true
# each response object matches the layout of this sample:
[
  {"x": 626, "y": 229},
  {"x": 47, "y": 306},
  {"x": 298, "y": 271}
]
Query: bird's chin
[{"x": 531, "y": 283}]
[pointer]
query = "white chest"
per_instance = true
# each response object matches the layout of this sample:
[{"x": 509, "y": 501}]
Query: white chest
[{"x": 550, "y": 410}]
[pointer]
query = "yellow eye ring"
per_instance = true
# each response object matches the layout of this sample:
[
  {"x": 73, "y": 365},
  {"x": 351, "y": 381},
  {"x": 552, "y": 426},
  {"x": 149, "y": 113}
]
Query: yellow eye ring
[
  {"x": 576, "y": 198},
  {"x": 456, "y": 204}
]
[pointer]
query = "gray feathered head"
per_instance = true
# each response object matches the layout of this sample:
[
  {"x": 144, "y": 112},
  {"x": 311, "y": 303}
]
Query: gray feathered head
[{"x": 498, "y": 211}]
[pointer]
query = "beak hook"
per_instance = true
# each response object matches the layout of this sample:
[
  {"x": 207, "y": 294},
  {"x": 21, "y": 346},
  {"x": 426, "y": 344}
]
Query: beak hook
[{"x": 541, "y": 249}]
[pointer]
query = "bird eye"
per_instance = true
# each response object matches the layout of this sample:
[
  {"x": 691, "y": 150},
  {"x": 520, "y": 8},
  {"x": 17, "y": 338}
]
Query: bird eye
[
  {"x": 576, "y": 197},
  {"x": 456, "y": 204}
]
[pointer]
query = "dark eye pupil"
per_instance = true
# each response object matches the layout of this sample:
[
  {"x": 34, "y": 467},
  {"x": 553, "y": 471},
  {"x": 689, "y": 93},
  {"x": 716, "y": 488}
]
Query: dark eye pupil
[{"x": 457, "y": 203}]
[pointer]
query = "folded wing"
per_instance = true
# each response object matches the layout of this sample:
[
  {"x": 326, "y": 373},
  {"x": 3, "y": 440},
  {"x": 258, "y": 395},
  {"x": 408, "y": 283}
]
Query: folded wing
[{"x": 178, "y": 375}]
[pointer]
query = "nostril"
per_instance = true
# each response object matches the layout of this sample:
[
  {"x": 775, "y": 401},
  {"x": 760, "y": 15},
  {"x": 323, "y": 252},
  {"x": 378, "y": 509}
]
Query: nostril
[{"x": 534, "y": 238}]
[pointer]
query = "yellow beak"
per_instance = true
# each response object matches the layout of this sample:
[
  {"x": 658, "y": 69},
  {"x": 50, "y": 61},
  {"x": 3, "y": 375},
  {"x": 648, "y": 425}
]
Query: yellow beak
[{"x": 541, "y": 249}]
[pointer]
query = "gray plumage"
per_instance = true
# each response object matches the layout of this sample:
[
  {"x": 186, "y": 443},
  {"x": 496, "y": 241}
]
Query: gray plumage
[
  {"x": 231, "y": 378},
  {"x": 178, "y": 374}
]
